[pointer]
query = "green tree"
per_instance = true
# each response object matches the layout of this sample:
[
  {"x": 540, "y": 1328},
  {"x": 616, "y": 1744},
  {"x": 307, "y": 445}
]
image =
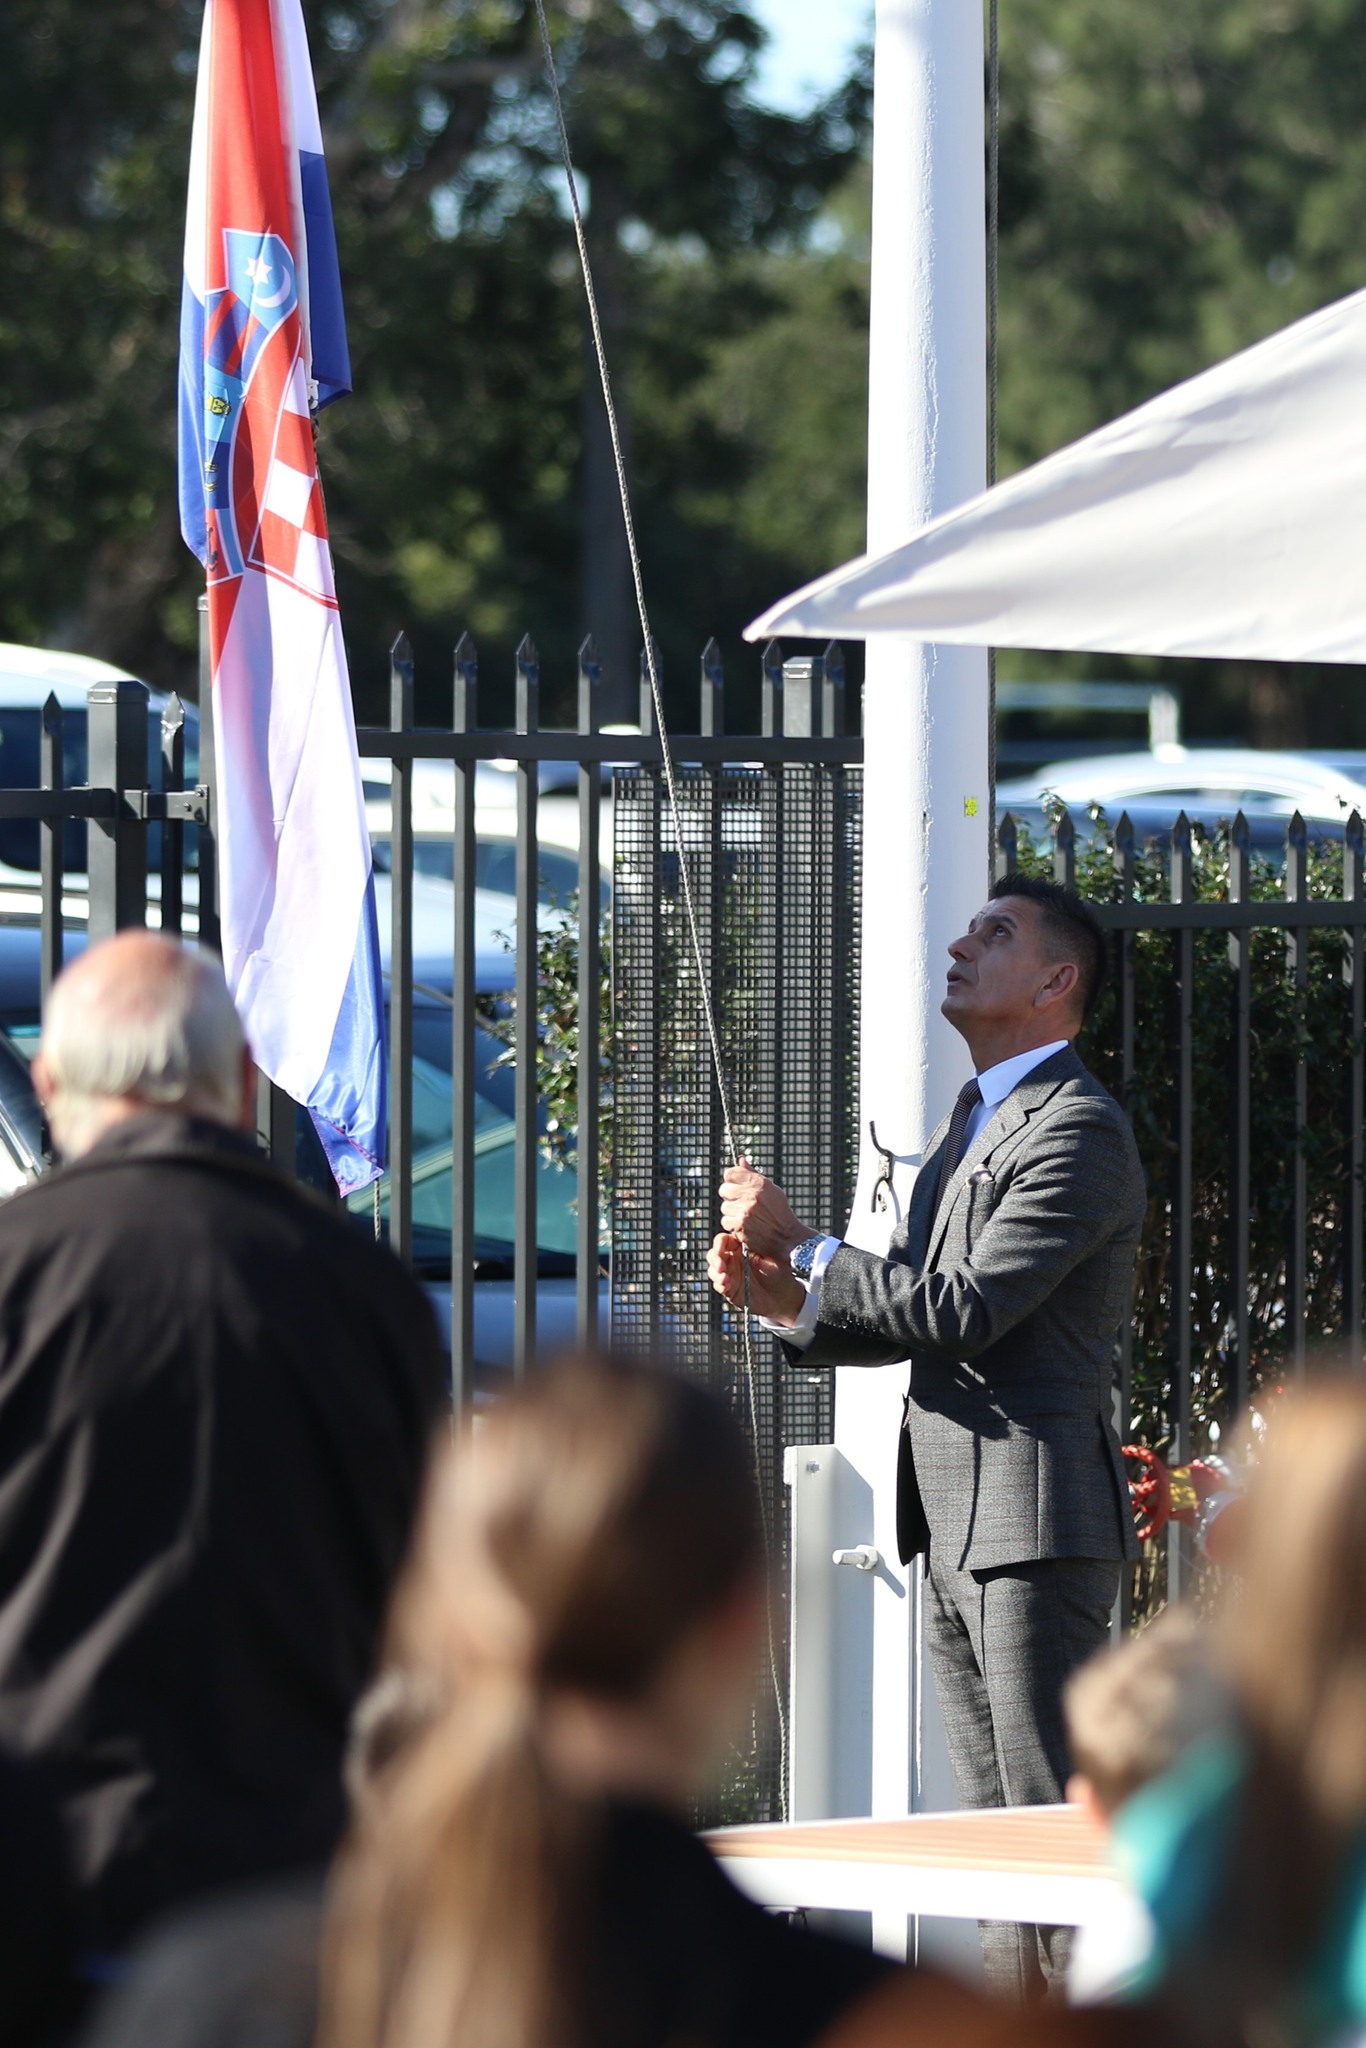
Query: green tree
[
  {"x": 676, "y": 156},
  {"x": 1179, "y": 179},
  {"x": 94, "y": 112},
  {"x": 761, "y": 428},
  {"x": 465, "y": 480}
]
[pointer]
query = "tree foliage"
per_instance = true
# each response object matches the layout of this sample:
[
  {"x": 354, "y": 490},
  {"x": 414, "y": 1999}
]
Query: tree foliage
[
  {"x": 455, "y": 476},
  {"x": 94, "y": 112},
  {"x": 1179, "y": 179}
]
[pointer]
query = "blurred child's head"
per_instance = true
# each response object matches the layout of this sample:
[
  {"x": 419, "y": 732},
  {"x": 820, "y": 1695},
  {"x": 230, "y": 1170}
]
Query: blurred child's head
[
  {"x": 1293, "y": 1644},
  {"x": 1134, "y": 1708}
]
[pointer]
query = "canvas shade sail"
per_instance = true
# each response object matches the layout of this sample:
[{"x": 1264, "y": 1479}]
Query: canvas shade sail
[{"x": 1226, "y": 517}]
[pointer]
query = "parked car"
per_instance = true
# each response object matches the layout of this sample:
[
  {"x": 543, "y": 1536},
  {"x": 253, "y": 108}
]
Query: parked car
[
  {"x": 1349, "y": 761},
  {"x": 495, "y": 1157},
  {"x": 21, "y": 1123},
  {"x": 495, "y": 852},
  {"x": 1209, "y": 784},
  {"x": 495, "y": 830},
  {"x": 21, "y": 1159},
  {"x": 432, "y": 918},
  {"x": 28, "y": 676}
]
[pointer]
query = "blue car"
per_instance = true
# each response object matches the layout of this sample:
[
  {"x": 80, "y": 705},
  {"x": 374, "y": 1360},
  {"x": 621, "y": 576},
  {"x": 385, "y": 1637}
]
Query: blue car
[{"x": 21, "y": 1159}]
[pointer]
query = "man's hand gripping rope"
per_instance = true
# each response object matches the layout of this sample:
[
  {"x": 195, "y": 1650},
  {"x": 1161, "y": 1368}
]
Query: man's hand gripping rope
[{"x": 748, "y": 1259}]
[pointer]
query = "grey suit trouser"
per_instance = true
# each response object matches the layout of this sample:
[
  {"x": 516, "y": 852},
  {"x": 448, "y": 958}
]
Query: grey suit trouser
[{"x": 1003, "y": 1643}]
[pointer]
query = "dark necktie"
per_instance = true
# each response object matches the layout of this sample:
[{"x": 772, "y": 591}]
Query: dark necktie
[{"x": 969, "y": 1095}]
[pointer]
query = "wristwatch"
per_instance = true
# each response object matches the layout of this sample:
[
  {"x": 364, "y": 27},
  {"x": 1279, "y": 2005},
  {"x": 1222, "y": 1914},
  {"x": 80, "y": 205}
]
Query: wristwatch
[{"x": 802, "y": 1257}]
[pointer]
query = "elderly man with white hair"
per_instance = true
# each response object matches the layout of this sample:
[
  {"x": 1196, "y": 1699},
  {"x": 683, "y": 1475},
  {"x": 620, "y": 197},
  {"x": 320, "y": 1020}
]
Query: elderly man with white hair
[
  {"x": 136, "y": 1025},
  {"x": 216, "y": 1398}
]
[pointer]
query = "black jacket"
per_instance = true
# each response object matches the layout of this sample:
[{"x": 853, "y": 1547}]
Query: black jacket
[
  {"x": 676, "y": 1958},
  {"x": 37, "y": 1911},
  {"x": 215, "y": 1403},
  {"x": 680, "y": 1956}
]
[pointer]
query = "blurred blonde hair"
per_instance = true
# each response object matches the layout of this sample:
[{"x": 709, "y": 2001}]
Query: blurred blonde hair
[
  {"x": 1294, "y": 1642},
  {"x": 1291, "y": 1643},
  {"x": 598, "y": 1516}
]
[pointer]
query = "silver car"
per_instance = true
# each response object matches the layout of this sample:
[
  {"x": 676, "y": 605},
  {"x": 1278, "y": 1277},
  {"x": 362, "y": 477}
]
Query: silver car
[{"x": 1210, "y": 784}]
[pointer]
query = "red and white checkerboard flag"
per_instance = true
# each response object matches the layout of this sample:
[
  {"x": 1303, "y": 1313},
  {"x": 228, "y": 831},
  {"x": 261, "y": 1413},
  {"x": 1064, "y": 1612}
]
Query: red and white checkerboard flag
[{"x": 262, "y": 346}]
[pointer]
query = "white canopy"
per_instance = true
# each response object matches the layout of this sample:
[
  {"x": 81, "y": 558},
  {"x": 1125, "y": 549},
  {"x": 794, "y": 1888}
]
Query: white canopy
[{"x": 1225, "y": 518}]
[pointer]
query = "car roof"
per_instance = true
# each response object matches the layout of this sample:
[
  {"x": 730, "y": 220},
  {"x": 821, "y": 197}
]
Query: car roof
[
  {"x": 21, "y": 968},
  {"x": 29, "y": 675},
  {"x": 494, "y": 965},
  {"x": 1314, "y": 785},
  {"x": 432, "y": 909},
  {"x": 20, "y": 1109}
]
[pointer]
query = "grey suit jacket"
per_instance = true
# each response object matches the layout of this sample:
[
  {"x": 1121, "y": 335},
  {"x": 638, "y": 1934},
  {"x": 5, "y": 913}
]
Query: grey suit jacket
[{"x": 1008, "y": 1310}]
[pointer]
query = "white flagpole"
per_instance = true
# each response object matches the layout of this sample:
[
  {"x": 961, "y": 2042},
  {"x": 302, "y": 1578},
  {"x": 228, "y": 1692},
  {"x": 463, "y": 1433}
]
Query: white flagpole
[{"x": 926, "y": 793}]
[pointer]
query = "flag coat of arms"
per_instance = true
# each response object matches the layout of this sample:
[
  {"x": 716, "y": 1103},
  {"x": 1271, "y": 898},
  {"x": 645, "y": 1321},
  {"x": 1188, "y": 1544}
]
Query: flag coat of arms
[{"x": 263, "y": 345}]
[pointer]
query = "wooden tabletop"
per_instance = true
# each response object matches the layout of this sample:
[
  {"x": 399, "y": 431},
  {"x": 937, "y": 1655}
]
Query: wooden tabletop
[
  {"x": 1043, "y": 1863},
  {"x": 1056, "y": 1841}
]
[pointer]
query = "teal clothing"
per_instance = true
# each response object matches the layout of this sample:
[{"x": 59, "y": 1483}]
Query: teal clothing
[{"x": 1172, "y": 1843}]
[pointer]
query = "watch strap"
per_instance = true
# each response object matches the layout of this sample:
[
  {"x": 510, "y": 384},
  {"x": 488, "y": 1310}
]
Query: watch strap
[{"x": 802, "y": 1257}]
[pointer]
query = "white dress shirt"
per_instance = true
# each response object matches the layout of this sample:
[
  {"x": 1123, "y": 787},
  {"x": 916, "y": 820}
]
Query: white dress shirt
[{"x": 996, "y": 1083}]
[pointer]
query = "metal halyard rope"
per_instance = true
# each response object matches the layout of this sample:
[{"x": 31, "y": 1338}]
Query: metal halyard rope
[
  {"x": 993, "y": 355},
  {"x": 666, "y": 755}
]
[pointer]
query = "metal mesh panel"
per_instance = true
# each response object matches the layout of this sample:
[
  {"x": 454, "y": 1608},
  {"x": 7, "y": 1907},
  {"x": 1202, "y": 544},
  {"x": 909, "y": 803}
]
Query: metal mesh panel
[{"x": 773, "y": 857}]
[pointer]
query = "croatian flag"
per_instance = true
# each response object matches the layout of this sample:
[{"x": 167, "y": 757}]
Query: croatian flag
[{"x": 262, "y": 346}]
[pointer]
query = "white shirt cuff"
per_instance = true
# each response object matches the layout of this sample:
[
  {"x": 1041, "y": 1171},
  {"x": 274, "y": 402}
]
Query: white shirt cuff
[{"x": 800, "y": 1333}]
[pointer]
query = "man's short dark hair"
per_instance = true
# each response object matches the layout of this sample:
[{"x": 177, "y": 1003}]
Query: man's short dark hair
[{"x": 1070, "y": 929}]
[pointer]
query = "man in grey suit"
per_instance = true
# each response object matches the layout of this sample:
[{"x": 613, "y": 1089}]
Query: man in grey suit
[{"x": 1005, "y": 1287}]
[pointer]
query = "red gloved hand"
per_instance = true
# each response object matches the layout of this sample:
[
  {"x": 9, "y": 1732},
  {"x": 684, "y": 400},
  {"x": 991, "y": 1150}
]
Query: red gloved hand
[
  {"x": 1150, "y": 1491},
  {"x": 1209, "y": 1476}
]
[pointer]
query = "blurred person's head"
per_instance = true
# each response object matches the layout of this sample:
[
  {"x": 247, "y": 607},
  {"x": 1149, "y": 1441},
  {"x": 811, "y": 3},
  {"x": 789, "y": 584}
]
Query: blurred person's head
[
  {"x": 139, "y": 1025},
  {"x": 1291, "y": 1643},
  {"x": 1134, "y": 1708},
  {"x": 581, "y": 1616},
  {"x": 1294, "y": 1642}
]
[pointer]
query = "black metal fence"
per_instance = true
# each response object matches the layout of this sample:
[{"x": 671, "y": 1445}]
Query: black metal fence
[
  {"x": 769, "y": 828},
  {"x": 801, "y": 730},
  {"x": 773, "y": 852},
  {"x": 132, "y": 843},
  {"x": 1234, "y": 1032},
  {"x": 1234, "y": 1029}
]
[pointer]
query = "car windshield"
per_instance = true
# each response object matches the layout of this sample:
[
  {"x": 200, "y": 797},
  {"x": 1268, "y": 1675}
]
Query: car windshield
[
  {"x": 495, "y": 1137},
  {"x": 494, "y": 1164},
  {"x": 20, "y": 735},
  {"x": 495, "y": 866}
]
